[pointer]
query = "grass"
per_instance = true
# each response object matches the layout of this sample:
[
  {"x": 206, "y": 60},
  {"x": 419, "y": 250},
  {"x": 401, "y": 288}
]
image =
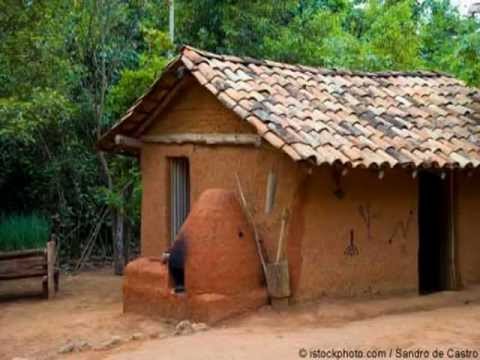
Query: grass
[{"x": 21, "y": 232}]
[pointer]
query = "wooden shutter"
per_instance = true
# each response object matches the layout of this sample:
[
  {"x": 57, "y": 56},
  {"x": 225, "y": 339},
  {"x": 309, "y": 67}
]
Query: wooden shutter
[{"x": 179, "y": 194}]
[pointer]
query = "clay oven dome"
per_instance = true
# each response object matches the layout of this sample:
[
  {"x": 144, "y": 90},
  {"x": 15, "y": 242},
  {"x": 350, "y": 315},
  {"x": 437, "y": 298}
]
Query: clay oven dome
[
  {"x": 223, "y": 275},
  {"x": 221, "y": 251}
]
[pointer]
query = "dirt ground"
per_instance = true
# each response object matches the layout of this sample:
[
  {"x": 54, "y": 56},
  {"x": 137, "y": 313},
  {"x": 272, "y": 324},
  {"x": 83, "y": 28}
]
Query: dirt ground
[{"x": 88, "y": 310}]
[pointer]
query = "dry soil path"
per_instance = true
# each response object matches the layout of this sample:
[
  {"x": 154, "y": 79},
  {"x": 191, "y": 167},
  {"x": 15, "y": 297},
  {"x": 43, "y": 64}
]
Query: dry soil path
[
  {"x": 447, "y": 329},
  {"x": 89, "y": 310}
]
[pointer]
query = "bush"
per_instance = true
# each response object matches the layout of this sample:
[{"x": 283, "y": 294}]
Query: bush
[{"x": 21, "y": 232}]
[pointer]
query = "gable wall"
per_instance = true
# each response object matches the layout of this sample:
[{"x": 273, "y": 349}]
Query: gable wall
[{"x": 196, "y": 110}]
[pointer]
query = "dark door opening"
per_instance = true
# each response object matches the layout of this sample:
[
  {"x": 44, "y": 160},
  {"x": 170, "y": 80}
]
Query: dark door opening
[{"x": 434, "y": 232}]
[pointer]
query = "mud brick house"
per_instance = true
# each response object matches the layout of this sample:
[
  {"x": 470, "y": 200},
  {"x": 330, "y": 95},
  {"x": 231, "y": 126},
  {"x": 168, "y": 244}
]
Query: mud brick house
[{"x": 378, "y": 170}]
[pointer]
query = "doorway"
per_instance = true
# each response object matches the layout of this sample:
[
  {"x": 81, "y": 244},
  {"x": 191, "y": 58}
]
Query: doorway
[{"x": 435, "y": 232}]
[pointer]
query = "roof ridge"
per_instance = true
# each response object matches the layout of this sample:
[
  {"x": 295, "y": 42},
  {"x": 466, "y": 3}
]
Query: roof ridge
[{"x": 318, "y": 70}]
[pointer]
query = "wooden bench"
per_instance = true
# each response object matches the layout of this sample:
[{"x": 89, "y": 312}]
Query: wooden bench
[{"x": 26, "y": 264}]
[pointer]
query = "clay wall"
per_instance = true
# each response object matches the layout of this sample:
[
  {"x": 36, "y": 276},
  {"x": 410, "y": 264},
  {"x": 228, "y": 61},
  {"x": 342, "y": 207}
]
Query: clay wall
[
  {"x": 467, "y": 229},
  {"x": 214, "y": 167},
  {"x": 359, "y": 234}
]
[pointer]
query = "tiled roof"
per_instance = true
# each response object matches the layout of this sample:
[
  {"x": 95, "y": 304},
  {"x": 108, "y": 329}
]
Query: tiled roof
[{"x": 329, "y": 116}]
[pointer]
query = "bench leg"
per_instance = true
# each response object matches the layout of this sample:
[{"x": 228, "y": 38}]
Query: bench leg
[
  {"x": 56, "y": 279},
  {"x": 45, "y": 287}
]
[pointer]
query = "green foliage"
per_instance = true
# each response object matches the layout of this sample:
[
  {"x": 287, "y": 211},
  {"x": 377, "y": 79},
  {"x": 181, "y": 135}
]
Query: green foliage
[
  {"x": 339, "y": 34},
  {"x": 235, "y": 27},
  {"x": 25, "y": 120},
  {"x": 450, "y": 42},
  {"x": 128, "y": 179},
  {"x": 22, "y": 232},
  {"x": 134, "y": 82},
  {"x": 32, "y": 47},
  {"x": 317, "y": 40},
  {"x": 465, "y": 60},
  {"x": 392, "y": 38}
]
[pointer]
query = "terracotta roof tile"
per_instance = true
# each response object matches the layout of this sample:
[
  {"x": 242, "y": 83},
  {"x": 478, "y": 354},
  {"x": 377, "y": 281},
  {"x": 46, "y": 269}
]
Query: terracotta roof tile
[
  {"x": 333, "y": 116},
  {"x": 291, "y": 152},
  {"x": 273, "y": 139}
]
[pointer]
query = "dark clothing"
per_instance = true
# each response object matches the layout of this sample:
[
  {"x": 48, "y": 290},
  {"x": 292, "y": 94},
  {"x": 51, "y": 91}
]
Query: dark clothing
[
  {"x": 178, "y": 252},
  {"x": 176, "y": 263},
  {"x": 178, "y": 276}
]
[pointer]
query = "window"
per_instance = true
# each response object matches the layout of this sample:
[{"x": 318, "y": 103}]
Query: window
[{"x": 179, "y": 194}]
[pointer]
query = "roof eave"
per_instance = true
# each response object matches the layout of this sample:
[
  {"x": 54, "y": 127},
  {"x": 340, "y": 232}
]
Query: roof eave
[{"x": 127, "y": 125}]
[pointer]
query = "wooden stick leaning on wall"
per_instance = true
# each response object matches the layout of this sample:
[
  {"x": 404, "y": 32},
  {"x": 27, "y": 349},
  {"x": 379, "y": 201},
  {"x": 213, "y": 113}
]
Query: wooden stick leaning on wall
[
  {"x": 277, "y": 272},
  {"x": 252, "y": 223},
  {"x": 281, "y": 237}
]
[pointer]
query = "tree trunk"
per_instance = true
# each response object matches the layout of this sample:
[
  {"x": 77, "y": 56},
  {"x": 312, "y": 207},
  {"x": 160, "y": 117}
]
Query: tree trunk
[
  {"x": 127, "y": 198},
  {"x": 118, "y": 243},
  {"x": 128, "y": 239}
]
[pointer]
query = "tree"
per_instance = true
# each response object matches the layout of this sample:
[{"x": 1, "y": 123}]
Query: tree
[
  {"x": 232, "y": 27},
  {"x": 58, "y": 61},
  {"x": 450, "y": 42},
  {"x": 132, "y": 84}
]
